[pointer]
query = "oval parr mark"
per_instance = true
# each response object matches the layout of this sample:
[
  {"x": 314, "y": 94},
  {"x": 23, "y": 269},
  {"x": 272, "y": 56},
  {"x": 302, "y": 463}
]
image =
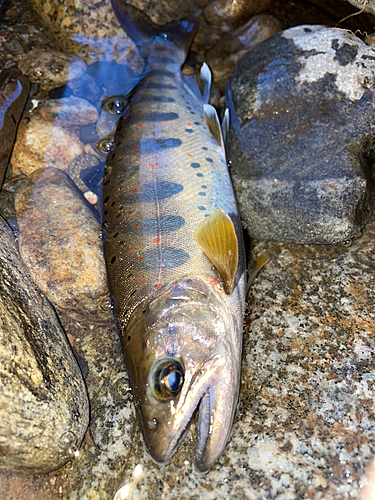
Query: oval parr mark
[
  {"x": 157, "y": 98},
  {"x": 189, "y": 130},
  {"x": 210, "y": 160},
  {"x": 155, "y": 145},
  {"x": 164, "y": 225},
  {"x": 157, "y": 117},
  {"x": 170, "y": 258},
  {"x": 155, "y": 85},
  {"x": 195, "y": 165},
  {"x": 201, "y": 208},
  {"x": 159, "y": 190}
]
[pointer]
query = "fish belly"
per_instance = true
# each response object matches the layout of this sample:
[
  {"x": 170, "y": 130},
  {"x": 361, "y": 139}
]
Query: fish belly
[{"x": 165, "y": 174}]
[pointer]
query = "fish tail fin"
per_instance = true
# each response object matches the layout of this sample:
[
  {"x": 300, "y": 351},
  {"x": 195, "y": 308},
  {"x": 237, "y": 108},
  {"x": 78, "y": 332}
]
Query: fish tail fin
[{"x": 150, "y": 39}]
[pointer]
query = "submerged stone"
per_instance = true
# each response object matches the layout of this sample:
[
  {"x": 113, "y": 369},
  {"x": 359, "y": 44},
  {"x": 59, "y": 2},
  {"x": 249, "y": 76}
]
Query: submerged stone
[
  {"x": 59, "y": 241},
  {"x": 300, "y": 136},
  {"x": 73, "y": 111},
  {"x": 44, "y": 409}
]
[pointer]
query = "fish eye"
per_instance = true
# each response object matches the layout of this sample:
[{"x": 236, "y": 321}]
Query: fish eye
[{"x": 167, "y": 379}]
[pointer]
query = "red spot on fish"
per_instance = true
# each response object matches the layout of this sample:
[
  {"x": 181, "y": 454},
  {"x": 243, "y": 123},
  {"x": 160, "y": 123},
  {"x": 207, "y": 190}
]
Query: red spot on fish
[
  {"x": 214, "y": 281},
  {"x": 158, "y": 287},
  {"x": 130, "y": 276},
  {"x": 140, "y": 257},
  {"x": 136, "y": 225},
  {"x": 171, "y": 90},
  {"x": 170, "y": 84},
  {"x": 133, "y": 249},
  {"x": 141, "y": 277},
  {"x": 120, "y": 159},
  {"x": 156, "y": 164},
  {"x": 165, "y": 120},
  {"x": 189, "y": 124},
  {"x": 160, "y": 210},
  {"x": 139, "y": 125},
  {"x": 134, "y": 190},
  {"x": 140, "y": 112},
  {"x": 130, "y": 211},
  {"x": 189, "y": 154},
  {"x": 136, "y": 147},
  {"x": 152, "y": 165},
  {"x": 157, "y": 240}
]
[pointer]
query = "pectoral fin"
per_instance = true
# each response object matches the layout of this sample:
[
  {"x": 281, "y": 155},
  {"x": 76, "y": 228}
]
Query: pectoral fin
[{"x": 217, "y": 237}]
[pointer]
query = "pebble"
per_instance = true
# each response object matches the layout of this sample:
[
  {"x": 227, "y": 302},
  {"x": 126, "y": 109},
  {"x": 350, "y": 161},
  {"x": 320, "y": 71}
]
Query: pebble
[
  {"x": 79, "y": 164},
  {"x": 67, "y": 111},
  {"x": 298, "y": 135},
  {"x": 86, "y": 87},
  {"x": 232, "y": 47},
  {"x": 51, "y": 68},
  {"x": 11, "y": 108},
  {"x": 227, "y": 14},
  {"x": 44, "y": 409},
  {"x": 59, "y": 241},
  {"x": 43, "y": 144}
]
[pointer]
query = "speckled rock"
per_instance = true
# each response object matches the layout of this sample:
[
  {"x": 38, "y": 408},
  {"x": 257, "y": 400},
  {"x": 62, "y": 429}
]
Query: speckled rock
[
  {"x": 232, "y": 47},
  {"x": 51, "y": 68},
  {"x": 364, "y": 5},
  {"x": 43, "y": 144},
  {"x": 72, "y": 110},
  {"x": 59, "y": 241},
  {"x": 227, "y": 14},
  {"x": 44, "y": 408},
  {"x": 299, "y": 137},
  {"x": 78, "y": 165}
]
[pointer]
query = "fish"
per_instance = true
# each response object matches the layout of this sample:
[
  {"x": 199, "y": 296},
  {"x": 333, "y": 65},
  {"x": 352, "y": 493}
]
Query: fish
[{"x": 174, "y": 249}]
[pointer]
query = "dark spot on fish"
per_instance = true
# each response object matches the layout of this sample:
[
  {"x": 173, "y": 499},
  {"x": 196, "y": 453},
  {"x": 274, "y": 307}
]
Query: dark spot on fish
[
  {"x": 115, "y": 235},
  {"x": 154, "y": 145},
  {"x": 202, "y": 193},
  {"x": 199, "y": 175},
  {"x": 113, "y": 203},
  {"x": 113, "y": 259},
  {"x": 113, "y": 156},
  {"x": 106, "y": 200},
  {"x": 197, "y": 123},
  {"x": 132, "y": 293},
  {"x": 129, "y": 338},
  {"x": 195, "y": 165},
  {"x": 204, "y": 148},
  {"x": 154, "y": 85},
  {"x": 158, "y": 117},
  {"x": 189, "y": 130},
  {"x": 204, "y": 187},
  {"x": 201, "y": 208},
  {"x": 106, "y": 212},
  {"x": 157, "y": 98},
  {"x": 170, "y": 258},
  {"x": 210, "y": 160},
  {"x": 192, "y": 113}
]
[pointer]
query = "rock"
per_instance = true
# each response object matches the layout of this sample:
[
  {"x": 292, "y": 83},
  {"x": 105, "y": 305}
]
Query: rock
[
  {"x": 86, "y": 88},
  {"x": 301, "y": 160},
  {"x": 14, "y": 91},
  {"x": 79, "y": 164},
  {"x": 43, "y": 144},
  {"x": 67, "y": 111},
  {"x": 232, "y": 47},
  {"x": 51, "y": 68},
  {"x": 59, "y": 241},
  {"x": 227, "y": 14},
  {"x": 44, "y": 408},
  {"x": 364, "y": 5}
]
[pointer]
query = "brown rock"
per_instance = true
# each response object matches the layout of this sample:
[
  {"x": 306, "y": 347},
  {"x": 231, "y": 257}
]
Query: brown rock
[
  {"x": 59, "y": 241},
  {"x": 69, "y": 111},
  {"x": 227, "y": 14},
  {"x": 43, "y": 144},
  {"x": 44, "y": 409},
  {"x": 51, "y": 68}
]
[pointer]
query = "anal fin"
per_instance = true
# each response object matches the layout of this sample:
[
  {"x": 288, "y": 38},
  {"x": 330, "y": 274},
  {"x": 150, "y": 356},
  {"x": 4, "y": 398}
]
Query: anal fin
[{"x": 217, "y": 237}]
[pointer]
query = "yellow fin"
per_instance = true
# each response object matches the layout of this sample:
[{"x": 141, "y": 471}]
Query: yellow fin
[
  {"x": 212, "y": 122},
  {"x": 217, "y": 236},
  {"x": 261, "y": 261}
]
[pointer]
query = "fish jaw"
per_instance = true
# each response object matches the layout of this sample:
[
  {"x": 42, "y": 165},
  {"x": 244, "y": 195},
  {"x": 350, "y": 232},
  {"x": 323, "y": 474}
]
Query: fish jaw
[{"x": 189, "y": 323}]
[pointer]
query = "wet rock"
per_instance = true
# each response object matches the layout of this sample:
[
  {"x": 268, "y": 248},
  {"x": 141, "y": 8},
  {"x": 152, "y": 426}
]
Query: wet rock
[
  {"x": 78, "y": 165},
  {"x": 43, "y": 144},
  {"x": 59, "y": 241},
  {"x": 86, "y": 88},
  {"x": 227, "y": 14},
  {"x": 51, "y": 68},
  {"x": 14, "y": 90},
  {"x": 43, "y": 402},
  {"x": 299, "y": 137},
  {"x": 69, "y": 111},
  {"x": 231, "y": 48}
]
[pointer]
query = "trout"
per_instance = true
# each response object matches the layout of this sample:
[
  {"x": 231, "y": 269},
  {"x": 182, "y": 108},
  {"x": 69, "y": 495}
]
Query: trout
[{"x": 174, "y": 250}]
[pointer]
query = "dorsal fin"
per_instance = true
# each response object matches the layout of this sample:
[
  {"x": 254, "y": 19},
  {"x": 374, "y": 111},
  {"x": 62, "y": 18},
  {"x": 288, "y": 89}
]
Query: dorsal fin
[
  {"x": 204, "y": 82},
  {"x": 213, "y": 124},
  {"x": 217, "y": 237},
  {"x": 225, "y": 128}
]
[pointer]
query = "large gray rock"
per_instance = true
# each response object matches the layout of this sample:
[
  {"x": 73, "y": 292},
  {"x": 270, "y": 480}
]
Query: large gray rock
[
  {"x": 44, "y": 408},
  {"x": 303, "y": 109}
]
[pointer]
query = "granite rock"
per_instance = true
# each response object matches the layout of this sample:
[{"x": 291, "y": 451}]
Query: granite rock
[
  {"x": 14, "y": 91},
  {"x": 364, "y": 5},
  {"x": 300, "y": 136},
  {"x": 232, "y": 47},
  {"x": 43, "y": 144},
  {"x": 59, "y": 241},
  {"x": 69, "y": 111},
  {"x": 44, "y": 408},
  {"x": 51, "y": 68}
]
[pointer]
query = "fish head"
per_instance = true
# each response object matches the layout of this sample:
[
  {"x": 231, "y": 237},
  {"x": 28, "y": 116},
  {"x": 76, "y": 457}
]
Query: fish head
[{"x": 180, "y": 354}]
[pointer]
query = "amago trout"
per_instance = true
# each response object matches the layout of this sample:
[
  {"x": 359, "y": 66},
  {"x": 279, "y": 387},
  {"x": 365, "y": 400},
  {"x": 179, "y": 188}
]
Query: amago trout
[{"x": 174, "y": 251}]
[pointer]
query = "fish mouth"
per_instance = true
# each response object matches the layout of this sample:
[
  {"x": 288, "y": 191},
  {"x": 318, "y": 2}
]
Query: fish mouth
[{"x": 214, "y": 388}]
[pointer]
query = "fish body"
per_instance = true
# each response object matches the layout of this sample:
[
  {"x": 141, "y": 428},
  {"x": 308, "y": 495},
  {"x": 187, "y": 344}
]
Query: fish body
[{"x": 181, "y": 330}]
